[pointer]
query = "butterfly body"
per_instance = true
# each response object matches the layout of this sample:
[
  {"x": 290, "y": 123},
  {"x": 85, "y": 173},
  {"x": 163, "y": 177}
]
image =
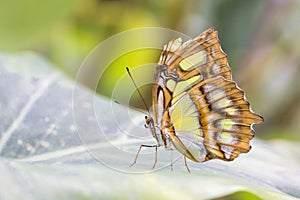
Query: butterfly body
[{"x": 197, "y": 107}]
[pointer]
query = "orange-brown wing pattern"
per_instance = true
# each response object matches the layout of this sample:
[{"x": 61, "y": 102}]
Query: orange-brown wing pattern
[
  {"x": 225, "y": 117},
  {"x": 197, "y": 105}
]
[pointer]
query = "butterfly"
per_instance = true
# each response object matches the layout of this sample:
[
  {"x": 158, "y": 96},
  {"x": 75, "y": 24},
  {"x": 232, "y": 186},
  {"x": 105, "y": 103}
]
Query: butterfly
[{"x": 197, "y": 108}]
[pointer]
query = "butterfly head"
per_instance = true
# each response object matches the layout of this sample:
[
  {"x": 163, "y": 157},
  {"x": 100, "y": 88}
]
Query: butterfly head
[{"x": 148, "y": 121}]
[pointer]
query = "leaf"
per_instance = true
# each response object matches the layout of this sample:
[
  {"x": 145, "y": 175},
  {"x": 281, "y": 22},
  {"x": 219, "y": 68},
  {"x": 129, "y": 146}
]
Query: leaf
[{"x": 60, "y": 141}]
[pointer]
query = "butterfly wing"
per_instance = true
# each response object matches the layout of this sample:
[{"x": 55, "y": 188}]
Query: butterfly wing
[{"x": 197, "y": 104}]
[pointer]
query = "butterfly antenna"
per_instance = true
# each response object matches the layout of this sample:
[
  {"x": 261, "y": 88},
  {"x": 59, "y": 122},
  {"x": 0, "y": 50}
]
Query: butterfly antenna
[
  {"x": 134, "y": 108},
  {"x": 144, "y": 102}
]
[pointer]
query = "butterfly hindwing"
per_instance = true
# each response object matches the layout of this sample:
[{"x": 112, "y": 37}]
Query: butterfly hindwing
[{"x": 197, "y": 105}]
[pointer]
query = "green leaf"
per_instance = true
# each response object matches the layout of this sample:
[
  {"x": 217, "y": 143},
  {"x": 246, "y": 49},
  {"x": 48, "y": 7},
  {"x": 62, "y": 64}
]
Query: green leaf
[{"x": 60, "y": 141}]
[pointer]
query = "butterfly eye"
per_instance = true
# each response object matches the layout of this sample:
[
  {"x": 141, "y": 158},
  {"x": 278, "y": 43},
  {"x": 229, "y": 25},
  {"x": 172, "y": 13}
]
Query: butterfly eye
[{"x": 147, "y": 121}]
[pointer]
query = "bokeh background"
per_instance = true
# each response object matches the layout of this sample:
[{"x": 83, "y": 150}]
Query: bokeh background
[{"x": 261, "y": 38}]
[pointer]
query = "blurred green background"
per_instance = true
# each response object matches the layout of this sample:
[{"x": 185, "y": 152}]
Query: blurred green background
[{"x": 260, "y": 37}]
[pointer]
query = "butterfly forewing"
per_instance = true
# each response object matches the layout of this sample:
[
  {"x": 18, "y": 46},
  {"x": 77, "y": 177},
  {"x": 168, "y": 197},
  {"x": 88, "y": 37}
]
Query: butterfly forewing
[{"x": 196, "y": 104}]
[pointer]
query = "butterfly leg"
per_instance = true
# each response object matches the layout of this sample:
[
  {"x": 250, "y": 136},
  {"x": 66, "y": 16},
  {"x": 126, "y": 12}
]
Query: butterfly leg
[
  {"x": 185, "y": 163},
  {"x": 144, "y": 145},
  {"x": 155, "y": 161}
]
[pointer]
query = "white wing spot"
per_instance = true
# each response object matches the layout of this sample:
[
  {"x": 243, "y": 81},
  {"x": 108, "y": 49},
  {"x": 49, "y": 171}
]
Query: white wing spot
[
  {"x": 227, "y": 150},
  {"x": 216, "y": 68},
  {"x": 171, "y": 84},
  {"x": 193, "y": 61},
  {"x": 223, "y": 103},
  {"x": 213, "y": 52},
  {"x": 175, "y": 44},
  {"x": 217, "y": 94}
]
